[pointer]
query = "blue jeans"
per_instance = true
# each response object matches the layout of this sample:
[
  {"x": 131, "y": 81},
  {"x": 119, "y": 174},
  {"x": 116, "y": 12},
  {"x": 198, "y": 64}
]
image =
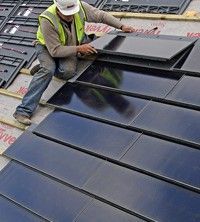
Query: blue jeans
[{"x": 48, "y": 67}]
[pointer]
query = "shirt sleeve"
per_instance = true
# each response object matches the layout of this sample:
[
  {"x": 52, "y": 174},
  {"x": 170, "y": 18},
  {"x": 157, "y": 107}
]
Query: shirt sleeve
[
  {"x": 51, "y": 37},
  {"x": 98, "y": 16}
]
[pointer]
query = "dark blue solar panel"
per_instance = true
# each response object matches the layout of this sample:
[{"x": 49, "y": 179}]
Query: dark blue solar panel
[
  {"x": 10, "y": 212},
  {"x": 128, "y": 81},
  {"x": 44, "y": 196},
  {"x": 187, "y": 91},
  {"x": 159, "y": 49},
  {"x": 76, "y": 167},
  {"x": 59, "y": 161},
  {"x": 150, "y": 197},
  {"x": 172, "y": 121},
  {"x": 98, "y": 103},
  {"x": 95, "y": 137},
  {"x": 101, "y": 212},
  {"x": 191, "y": 63},
  {"x": 177, "y": 162}
]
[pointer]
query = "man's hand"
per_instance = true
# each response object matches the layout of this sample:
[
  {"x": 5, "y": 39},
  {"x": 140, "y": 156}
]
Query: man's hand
[
  {"x": 127, "y": 28},
  {"x": 86, "y": 49}
]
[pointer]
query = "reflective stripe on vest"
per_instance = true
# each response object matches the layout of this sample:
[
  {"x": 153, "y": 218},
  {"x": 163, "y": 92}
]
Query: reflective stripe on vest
[{"x": 52, "y": 16}]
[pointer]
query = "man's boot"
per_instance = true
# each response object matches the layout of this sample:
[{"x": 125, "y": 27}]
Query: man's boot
[{"x": 22, "y": 118}]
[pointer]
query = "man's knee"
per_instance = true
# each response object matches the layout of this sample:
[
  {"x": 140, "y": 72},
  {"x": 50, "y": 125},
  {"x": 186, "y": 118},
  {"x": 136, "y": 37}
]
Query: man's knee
[
  {"x": 65, "y": 73},
  {"x": 45, "y": 72}
]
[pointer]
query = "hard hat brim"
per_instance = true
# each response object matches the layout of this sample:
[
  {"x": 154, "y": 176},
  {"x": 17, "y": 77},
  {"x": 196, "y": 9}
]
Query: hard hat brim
[{"x": 69, "y": 11}]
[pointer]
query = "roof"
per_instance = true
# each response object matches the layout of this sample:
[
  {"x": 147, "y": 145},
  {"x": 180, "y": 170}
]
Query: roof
[{"x": 120, "y": 142}]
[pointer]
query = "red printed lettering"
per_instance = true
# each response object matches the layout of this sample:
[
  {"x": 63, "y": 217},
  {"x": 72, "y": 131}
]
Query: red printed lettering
[
  {"x": 12, "y": 140},
  {"x": 147, "y": 31},
  {"x": 22, "y": 90},
  {"x": 6, "y": 138},
  {"x": 193, "y": 34}
]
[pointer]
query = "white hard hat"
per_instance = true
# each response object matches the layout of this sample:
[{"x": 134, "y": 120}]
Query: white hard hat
[{"x": 67, "y": 7}]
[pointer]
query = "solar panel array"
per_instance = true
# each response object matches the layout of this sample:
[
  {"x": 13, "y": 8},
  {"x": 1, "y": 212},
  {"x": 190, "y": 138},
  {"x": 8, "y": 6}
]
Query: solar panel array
[{"x": 122, "y": 145}]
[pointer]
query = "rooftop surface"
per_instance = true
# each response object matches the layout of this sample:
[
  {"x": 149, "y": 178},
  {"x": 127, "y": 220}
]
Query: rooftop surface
[{"x": 119, "y": 143}]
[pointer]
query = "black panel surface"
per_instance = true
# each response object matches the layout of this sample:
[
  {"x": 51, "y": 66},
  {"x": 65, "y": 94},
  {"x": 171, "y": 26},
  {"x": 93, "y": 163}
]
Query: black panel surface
[
  {"x": 26, "y": 11},
  {"x": 101, "y": 212},
  {"x": 150, "y": 197},
  {"x": 98, "y": 103},
  {"x": 187, "y": 91},
  {"x": 146, "y": 48},
  {"x": 128, "y": 81},
  {"x": 146, "y": 6},
  {"x": 32, "y": 8},
  {"x": 143, "y": 63},
  {"x": 96, "y": 137},
  {"x": 6, "y": 9},
  {"x": 17, "y": 51},
  {"x": 102, "y": 41},
  {"x": 59, "y": 161},
  {"x": 174, "y": 161},
  {"x": 9, "y": 68},
  {"x": 25, "y": 41},
  {"x": 19, "y": 30},
  {"x": 37, "y": 3},
  {"x": 1, "y": 20},
  {"x": 94, "y": 3},
  {"x": 10, "y": 212},
  {"x": 192, "y": 62},
  {"x": 176, "y": 122},
  {"x": 23, "y": 21},
  {"x": 48, "y": 198}
]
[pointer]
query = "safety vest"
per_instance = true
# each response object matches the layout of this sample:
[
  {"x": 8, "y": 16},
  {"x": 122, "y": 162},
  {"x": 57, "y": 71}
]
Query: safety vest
[{"x": 51, "y": 15}]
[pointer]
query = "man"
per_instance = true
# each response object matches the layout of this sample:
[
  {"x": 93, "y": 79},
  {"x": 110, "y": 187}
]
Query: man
[{"x": 60, "y": 38}]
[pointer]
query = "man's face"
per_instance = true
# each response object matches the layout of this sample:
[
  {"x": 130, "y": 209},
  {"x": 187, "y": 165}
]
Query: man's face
[{"x": 67, "y": 18}]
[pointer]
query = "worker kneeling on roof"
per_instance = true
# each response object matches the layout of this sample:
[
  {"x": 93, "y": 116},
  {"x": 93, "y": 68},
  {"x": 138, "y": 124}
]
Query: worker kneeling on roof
[{"x": 60, "y": 38}]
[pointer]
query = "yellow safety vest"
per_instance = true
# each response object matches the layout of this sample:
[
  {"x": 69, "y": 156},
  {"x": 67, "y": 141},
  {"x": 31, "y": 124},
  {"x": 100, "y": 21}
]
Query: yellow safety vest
[{"x": 52, "y": 16}]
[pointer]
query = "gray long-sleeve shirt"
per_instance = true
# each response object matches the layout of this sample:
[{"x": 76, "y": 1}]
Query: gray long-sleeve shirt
[{"x": 52, "y": 39}]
